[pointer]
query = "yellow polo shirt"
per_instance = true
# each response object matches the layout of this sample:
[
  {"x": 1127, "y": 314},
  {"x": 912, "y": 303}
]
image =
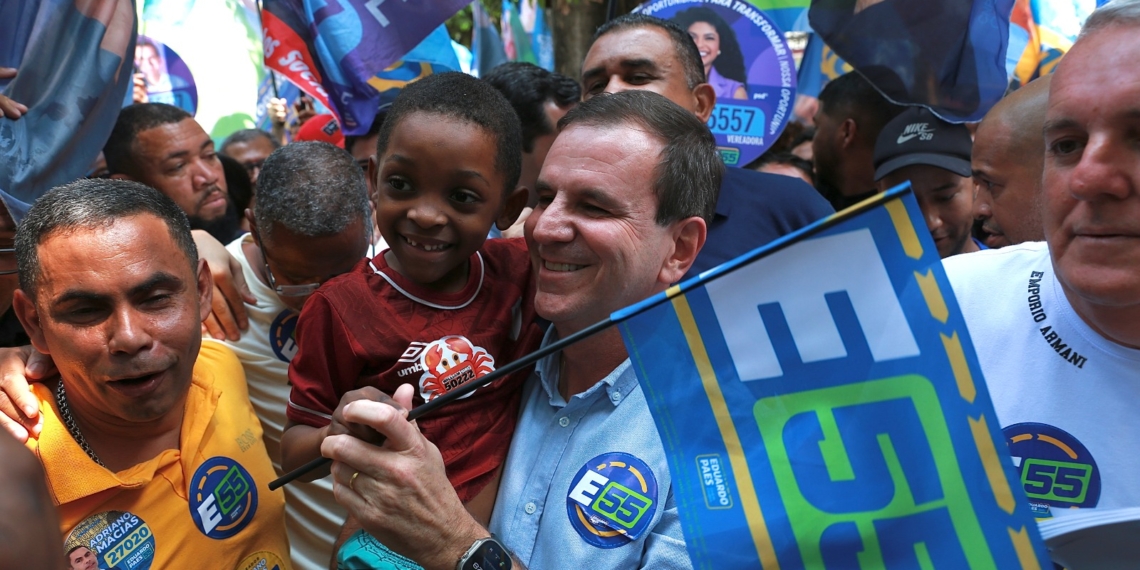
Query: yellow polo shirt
[{"x": 204, "y": 505}]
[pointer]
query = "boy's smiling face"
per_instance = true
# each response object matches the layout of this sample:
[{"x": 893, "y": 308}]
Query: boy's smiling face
[{"x": 437, "y": 195}]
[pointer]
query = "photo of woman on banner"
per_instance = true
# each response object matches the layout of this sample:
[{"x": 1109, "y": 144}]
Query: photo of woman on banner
[
  {"x": 720, "y": 51},
  {"x": 167, "y": 78}
]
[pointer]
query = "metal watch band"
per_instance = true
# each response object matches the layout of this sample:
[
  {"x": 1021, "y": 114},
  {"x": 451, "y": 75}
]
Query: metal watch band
[{"x": 485, "y": 554}]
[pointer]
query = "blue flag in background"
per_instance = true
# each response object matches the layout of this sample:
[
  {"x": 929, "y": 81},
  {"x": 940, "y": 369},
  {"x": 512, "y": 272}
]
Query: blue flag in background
[
  {"x": 485, "y": 43},
  {"x": 73, "y": 95},
  {"x": 948, "y": 55},
  {"x": 822, "y": 407},
  {"x": 341, "y": 46},
  {"x": 540, "y": 39}
]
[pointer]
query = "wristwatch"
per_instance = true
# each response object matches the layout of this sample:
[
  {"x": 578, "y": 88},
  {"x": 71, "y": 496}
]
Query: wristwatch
[{"x": 485, "y": 554}]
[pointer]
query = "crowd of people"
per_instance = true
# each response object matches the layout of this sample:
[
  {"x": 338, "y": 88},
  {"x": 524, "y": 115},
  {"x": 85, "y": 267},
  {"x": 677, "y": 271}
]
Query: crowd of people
[{"x": 196, "y": 330}]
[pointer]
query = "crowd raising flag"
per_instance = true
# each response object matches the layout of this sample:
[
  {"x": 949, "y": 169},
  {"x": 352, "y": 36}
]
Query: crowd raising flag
[
  {"x": 822, "y": 406},
  {"x": 333, "y": 54},
  {"x": 73, "y": 95},
  {"x": 948, "y": 55}
]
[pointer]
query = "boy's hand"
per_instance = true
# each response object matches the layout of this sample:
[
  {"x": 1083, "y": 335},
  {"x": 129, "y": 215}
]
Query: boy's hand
[{"x": 363, "y": 432}]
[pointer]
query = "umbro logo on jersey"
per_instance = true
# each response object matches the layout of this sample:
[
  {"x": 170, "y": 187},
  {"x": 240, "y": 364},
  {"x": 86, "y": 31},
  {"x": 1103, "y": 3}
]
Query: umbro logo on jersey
[{"x": 920, "y": 130}]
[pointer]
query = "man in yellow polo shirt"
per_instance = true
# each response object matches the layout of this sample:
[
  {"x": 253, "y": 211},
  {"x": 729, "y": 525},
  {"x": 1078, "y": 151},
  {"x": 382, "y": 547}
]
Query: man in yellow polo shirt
[{"x": 152, "y": 452}]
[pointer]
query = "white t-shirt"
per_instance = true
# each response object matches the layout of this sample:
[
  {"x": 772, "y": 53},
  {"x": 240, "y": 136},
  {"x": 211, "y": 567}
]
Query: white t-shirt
[
  {"x": 1067, "y": 398},
  {"x": 312, "y": 516}
]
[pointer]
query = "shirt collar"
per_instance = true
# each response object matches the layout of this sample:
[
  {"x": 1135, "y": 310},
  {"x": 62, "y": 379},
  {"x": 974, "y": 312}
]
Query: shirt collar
[
  {"x": 724, "y": 199},
  {"x": 72, "y": 475},
  {"x": 617, "y": 384}
]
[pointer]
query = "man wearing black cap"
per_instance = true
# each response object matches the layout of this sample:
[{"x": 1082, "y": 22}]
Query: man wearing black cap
[{"x": 935, "y": 157}]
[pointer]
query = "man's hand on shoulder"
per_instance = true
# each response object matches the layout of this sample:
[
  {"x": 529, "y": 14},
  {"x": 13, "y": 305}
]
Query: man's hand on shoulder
[
  {"x": 399, "y": 491},
  {"x": 19, "y": 408},
  {"x": 227, "y": 315}
]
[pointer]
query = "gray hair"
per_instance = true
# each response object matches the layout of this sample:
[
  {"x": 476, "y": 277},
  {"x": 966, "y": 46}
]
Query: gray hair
[
  {"x": 312, "y": 188},
  {"x": 248, "y": 135},
  {"x": 89, "y": 204},
  {"x": 1115, "y": 13}
]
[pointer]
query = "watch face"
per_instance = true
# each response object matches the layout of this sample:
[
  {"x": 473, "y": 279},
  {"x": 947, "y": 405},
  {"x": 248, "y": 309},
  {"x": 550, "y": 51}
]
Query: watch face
[{"x": 490, "y": 556}]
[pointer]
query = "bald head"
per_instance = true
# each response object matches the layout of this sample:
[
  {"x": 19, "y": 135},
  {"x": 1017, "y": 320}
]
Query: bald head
[{"x": 1009, "y": 151}]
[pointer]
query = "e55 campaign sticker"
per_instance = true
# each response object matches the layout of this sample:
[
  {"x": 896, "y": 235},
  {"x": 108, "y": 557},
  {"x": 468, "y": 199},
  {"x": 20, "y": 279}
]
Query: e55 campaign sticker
[
  {"x": 223, "y": 497},
  {"x": 612, "y": 500}
]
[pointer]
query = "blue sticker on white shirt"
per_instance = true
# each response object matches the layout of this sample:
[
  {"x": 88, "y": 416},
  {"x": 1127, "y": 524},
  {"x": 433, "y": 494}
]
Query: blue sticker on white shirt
[
  {"x": 1056, "y": 469},
  {"x": 110, "y": 539},
  {"x": 282, "y": 335},
  {"x": 612, "y": 500},
  {"x": 223, "y": 497}
]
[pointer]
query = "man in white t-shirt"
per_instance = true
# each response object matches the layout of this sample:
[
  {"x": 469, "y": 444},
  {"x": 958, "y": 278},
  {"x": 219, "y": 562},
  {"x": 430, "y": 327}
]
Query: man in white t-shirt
[
  {"x": 311, "y": 222},
  {"x": 1057, "y": 324}
]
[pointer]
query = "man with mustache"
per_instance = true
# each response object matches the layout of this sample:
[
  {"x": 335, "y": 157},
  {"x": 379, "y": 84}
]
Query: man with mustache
[
  {"x": 163, "y": 147},
  {"x": 150, "y": 447}
]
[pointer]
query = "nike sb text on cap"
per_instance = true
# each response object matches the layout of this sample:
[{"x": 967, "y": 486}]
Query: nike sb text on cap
[{"x": 917, "y": 136}]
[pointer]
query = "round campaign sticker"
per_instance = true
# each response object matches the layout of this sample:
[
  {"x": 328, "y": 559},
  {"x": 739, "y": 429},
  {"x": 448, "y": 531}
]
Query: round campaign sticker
[
  {"x": 281, "y": 335},
  {"x": 110, "y": 539},
  {"x": 748, "y": 64},
  {"x": 223, "y": 497},
  {"x": 263, "y": 560},
  {"x": 612, "y": 499},
  {"x": 1056, "y": 469},
  {"x": 167, "y": 78}
]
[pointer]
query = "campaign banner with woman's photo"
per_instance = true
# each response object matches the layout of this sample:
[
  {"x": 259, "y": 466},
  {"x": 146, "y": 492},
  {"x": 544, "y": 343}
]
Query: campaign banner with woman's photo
[
  {"x": 168, "y": 79},
  {"x": 749, "y": 65}
]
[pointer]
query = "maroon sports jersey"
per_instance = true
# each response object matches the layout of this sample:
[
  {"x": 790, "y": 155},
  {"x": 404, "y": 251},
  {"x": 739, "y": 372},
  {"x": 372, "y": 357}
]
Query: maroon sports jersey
[{"x": 373, "y": 327}]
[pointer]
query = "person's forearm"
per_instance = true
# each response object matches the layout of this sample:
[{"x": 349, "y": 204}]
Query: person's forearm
[{"x": 301, "y": 444}]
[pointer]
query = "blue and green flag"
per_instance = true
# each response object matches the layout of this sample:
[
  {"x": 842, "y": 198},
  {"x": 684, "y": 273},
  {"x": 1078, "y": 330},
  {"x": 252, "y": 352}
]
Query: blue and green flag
[{"x": 822, "y": 406}]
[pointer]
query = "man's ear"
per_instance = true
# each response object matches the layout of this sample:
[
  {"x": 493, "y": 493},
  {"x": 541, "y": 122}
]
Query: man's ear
[
  {"x": 372, "y": 174},
  {"x": 848, "y": 132},
  {"x": 688, "y": 239},
  {"x": 249, "y": 218},
  {"x": 205, "y": 290},
  {"x": 512, "y": 207},
  {"x": 706, "y": 101},
  {"x": 26, "y": 312}
]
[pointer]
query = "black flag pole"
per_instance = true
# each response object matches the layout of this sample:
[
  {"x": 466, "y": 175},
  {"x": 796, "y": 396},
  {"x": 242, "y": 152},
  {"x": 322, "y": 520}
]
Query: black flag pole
[
  {"x": 611, "y": 10},
  {"x": 437, "y": 403}
]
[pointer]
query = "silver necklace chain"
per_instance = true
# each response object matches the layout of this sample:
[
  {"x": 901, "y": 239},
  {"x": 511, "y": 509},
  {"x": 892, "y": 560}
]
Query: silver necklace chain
[{"x": 72, "y": 427}]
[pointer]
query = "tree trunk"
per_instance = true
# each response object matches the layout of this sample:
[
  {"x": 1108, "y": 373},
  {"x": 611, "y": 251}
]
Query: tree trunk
[{"x": 572, "y": 25}]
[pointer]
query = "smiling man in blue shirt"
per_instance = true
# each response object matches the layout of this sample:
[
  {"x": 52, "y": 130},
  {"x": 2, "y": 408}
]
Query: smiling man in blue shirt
[{"x": 625, "y": 196}]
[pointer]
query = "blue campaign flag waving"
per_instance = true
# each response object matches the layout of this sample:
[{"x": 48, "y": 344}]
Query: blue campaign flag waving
[
  {"x": 73, "y": 92},
  {"x": 822, "y": 406},
  {"x": 948, "y": 55},
  {"x": 331, "y": 49}
]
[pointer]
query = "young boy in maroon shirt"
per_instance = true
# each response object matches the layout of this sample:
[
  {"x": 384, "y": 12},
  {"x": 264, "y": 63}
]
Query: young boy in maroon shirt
[{"x": 443, "y": 306}]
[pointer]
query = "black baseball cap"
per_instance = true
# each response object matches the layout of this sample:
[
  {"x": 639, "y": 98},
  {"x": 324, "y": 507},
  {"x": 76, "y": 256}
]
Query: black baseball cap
[{"x": 917, "y": 136}]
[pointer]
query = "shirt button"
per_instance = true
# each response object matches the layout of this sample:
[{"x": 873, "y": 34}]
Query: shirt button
[
  {"x": 530, "y": 508},
  {"x": 615, "y": 395},
  {"x": 563, "y": 421}
]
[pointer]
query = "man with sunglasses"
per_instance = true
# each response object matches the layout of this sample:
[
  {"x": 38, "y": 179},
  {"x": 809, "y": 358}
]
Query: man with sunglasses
[{"x": 311, "y": 222}]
